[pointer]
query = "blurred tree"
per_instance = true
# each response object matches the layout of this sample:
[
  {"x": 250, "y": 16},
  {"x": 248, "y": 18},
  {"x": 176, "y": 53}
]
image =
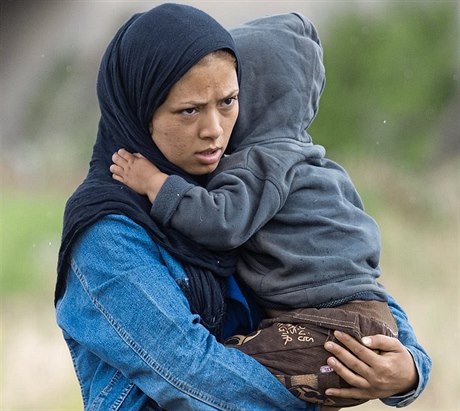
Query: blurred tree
[
  {"x": 391, "y": 89},
  {"x": 390, "y": 76}
]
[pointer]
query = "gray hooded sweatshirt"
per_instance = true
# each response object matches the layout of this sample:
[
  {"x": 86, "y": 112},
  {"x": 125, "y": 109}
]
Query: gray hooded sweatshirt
[{"x": 304, "y": 238}]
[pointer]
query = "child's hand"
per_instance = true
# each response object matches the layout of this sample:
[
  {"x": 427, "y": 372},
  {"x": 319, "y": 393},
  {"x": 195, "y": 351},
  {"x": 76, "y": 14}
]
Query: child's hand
[{"x": 137, "y": 173}]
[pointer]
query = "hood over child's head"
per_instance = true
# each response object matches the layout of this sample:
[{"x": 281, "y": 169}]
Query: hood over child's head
[{"x": 282, "y": 78}]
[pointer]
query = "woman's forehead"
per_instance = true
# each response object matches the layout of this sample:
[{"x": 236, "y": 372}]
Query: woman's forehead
[{"x": 214, "y": 77}]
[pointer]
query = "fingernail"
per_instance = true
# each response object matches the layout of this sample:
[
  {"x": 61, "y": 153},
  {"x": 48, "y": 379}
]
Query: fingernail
[
  {"x": 366, "y": 340},
  {"x": 329, "y": 346}
]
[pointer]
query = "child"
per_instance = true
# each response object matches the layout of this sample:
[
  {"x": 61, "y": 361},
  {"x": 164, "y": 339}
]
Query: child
[{"x": 307, "y": 248}]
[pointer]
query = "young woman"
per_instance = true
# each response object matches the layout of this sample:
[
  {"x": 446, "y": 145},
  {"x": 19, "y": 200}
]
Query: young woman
[{"x": 143, "y": 309}]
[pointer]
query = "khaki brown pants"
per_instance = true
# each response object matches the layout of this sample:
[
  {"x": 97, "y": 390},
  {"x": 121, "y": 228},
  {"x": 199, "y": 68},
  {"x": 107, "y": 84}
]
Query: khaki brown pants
[{"x": 291, "y": 345}]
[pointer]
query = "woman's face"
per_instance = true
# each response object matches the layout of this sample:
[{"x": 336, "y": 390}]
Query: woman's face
[{"x": 193, "y": 126}]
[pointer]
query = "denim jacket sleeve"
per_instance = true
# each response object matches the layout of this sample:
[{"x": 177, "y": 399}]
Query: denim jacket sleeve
[
  {"x": 124, "y": 306},
  {"x": 421, "y": 358}
]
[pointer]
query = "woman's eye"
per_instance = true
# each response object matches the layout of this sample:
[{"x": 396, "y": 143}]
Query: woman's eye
[
  {"x": 228, "y": 102},
  {"x": 189, "y": 111}
]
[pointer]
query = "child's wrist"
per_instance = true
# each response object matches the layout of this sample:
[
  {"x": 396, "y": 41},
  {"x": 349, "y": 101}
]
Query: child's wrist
[{"x": 156, "y": 182}]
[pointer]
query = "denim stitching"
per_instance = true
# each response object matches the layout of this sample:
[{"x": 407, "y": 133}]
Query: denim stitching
[
  {"x": 119, "y": 401},
  {"x": 142, "y": 353},
  {"x": 105, "y": 391}
]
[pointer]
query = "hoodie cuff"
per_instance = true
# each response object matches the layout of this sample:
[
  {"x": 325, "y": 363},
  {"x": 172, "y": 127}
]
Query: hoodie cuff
[{"x": 168, "y": 199}]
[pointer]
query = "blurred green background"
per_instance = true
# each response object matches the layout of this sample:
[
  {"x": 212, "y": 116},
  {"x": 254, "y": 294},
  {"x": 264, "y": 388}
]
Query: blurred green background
[{"x": 390, "y": 114}]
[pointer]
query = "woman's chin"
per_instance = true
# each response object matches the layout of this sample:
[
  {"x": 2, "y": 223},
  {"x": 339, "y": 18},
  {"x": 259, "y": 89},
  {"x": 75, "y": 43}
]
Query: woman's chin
[{"x": 203, "y": 169}]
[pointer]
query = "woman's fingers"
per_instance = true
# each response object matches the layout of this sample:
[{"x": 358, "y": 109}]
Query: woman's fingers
[
  {"x": 355, "y": 356},
  {"x": 382, "y": 343},
  {"x": 360, "y": 351},
  {"x": 347, "y": 373},
  {"x": 352, "y": 363},
  {"x": 350, "y": 393},
  {"x": 380, "y": 368}
]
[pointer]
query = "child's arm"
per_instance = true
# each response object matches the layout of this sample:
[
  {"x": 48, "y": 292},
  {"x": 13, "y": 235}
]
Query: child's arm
[
  {"x": 137, "y": 173},
  {"x": 237, "y": 205},
  {"x": 233, "y": 207}
]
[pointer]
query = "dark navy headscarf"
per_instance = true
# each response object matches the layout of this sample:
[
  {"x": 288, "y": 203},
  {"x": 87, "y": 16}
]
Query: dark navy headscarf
[{"x": 147, "y": 56}]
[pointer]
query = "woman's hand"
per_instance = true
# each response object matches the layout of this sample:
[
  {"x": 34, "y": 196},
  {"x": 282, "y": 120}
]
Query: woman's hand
[{"x": 381, "y": 368}]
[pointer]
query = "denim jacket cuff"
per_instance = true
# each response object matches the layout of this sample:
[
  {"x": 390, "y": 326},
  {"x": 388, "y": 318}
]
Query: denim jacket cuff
[{"x": 408, "y": 398}]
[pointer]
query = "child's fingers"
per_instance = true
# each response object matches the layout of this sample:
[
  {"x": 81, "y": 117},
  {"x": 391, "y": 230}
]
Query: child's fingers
[
  {"x": 126, "y": 155},
  {"x": 116, "y": 171},
  {"x": 117, "y": 177},
  {"x": 122, "y": 157},
  {"x": 118, "y": 160}
]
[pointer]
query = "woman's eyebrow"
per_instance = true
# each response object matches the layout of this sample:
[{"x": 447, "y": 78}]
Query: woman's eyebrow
[
  {"x": 198, "y": 103},
  {"x": 230, "y": 94}
]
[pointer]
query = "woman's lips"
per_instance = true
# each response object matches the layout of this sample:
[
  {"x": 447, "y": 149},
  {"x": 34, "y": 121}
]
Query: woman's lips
[{"x": 210, "y": 156}]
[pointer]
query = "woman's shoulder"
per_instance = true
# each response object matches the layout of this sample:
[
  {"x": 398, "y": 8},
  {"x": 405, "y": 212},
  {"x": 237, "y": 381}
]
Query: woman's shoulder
[
  {"x": 120, "y": 244},
  {"x": 115, "y": 233},
  {"x": 114, "y": 225}
]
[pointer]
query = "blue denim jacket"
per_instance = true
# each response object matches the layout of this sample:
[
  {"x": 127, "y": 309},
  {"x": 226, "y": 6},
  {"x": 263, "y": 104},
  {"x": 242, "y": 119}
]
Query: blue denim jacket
[{"x": 136, "y": 346}]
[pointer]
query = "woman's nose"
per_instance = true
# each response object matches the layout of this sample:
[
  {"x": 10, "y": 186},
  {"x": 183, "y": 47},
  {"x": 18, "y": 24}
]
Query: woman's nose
[{"x": 211, "y": 126}]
